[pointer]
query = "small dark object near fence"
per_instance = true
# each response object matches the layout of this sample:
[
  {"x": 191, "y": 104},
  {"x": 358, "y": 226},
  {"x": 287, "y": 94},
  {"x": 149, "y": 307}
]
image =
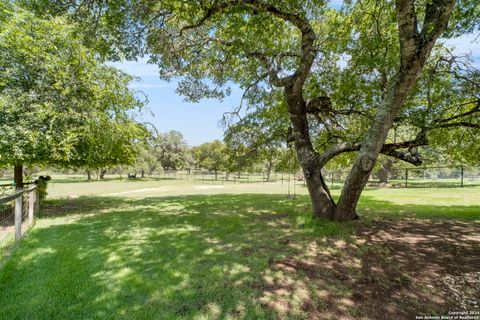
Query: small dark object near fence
[
  {"x": 41, "y": 183},
  {"x": 132, "y": 176}
]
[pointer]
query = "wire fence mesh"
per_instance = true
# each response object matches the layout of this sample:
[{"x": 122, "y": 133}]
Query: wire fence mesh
[
  {"x": 13, "y": 225},
  {"x": 431, "y": 177},
  {"x": 427, "y": 177},
  {"x": 458, "y": 176}
]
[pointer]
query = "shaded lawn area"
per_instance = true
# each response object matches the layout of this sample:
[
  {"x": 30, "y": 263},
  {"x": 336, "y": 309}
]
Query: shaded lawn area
[{"x": 238, "y": 257}]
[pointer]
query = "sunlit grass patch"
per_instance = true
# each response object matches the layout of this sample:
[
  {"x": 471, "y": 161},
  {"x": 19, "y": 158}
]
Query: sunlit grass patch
[{"x": 213, "y": 256}]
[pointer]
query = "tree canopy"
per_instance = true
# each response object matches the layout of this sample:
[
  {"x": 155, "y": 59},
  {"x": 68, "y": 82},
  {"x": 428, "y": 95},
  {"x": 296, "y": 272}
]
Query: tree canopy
[
  {"x": 211, "y": 156},
  {"x": 348, "y": 78},
  {"x": 170, "y": 149},
  {"x": 58, "y": 104}
]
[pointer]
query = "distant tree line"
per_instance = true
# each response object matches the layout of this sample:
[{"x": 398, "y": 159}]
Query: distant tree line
[{"x": 164, "y": 152}]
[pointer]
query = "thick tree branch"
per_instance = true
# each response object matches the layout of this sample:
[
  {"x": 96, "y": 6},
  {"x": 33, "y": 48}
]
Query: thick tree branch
[
  {"x": 254, "y": 6},
  {"x": 407, "y": 27},
  {"x": 412, "y": 158},
  {"x": 389, "y": 149},
  {"x": 459, "y": 124},
  {"x": 415, "y": 46},
  {"x": 437, "y": 13}
]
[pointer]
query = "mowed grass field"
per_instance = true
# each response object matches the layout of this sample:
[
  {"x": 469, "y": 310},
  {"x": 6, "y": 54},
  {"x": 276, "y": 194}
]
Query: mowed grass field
[{"x": 172, "y": 249}]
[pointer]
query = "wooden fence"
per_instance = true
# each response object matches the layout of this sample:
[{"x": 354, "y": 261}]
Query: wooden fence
[{"x": 21, "y": 205}]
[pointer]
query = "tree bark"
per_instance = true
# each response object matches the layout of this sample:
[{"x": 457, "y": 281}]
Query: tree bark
[
  {"x": 89, "y": 175},
  {"x": 102, "y": 174},
  {"x": 215, "y": 174},
  {"x": 384, "y": 171},
  {"x": 142, "y": 173},
  {"x": 18, "y": 176},
  {"x": 415, "y": 48},
  {"x": 322, "y": 204},
  {"x": 269, "y": 169},
  {"x": 373, "y": 143}
]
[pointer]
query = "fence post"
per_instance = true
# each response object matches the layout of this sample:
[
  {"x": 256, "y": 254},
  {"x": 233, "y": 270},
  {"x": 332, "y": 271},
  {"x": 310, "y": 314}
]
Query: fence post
[
  {"x": 31, "y": 204},
  {"x": 461, "y": 171},
  {"x": 18, "y": 217}
]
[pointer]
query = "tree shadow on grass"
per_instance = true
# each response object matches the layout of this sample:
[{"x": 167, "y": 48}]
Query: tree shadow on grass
[
  {"x": 152, "y": 258},
  {"x": 370, "y": 207},
  {"x": 212, "y": 257}
]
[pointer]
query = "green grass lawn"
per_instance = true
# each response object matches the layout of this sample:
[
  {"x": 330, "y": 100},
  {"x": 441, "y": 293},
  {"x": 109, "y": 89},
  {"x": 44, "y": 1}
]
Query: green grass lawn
[
  {"x": 455, "y": 203},
  {"x": 171, "y": 250}
]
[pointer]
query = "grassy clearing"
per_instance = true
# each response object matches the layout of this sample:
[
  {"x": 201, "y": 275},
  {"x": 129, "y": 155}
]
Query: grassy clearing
[
  {"x": 146, "y": 259},
  {"x": 231, "y": 254},
  {"x": 454, "y": 203},
  {"x": 159, "y": 188}
]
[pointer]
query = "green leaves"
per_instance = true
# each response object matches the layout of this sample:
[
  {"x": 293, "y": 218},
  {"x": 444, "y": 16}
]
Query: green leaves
[
  {"x": 211, "y": 155},
  {"x": 58, "y": 104},
  {"x": 212, "y": 43},
  {"x": 170, "y": 149}
]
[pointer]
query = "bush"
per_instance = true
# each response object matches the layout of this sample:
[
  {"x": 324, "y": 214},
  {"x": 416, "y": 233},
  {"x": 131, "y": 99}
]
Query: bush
[{"x": 42, "y": 187}]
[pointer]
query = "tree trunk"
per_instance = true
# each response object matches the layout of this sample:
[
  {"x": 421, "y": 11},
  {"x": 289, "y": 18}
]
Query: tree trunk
[
  {"x": 89, "y": 175},
  {"x": 373, "y": 142},
  {"x": 385, "y": 169},
  {"x": 371, "y": 146},
  {"x": 215, "y": 174},
  {"x": 102, "y": 174},
  {"x": 382, "y": 176},
  {"x": 269, "y": 169},
  {"x": 18, "y": 176},
  {"x": 142, "y": 173},
  {"x": 322, "y": 203},
  {"x": 415, "y": 48},
  {"x": 227, "y": 175}
]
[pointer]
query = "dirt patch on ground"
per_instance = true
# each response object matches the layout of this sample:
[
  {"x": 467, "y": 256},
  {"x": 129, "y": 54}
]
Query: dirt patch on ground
[{"x": 387, "y": 270}]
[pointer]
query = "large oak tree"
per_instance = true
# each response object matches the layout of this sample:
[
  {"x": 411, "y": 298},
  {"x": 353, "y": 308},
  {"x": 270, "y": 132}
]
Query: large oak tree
[{"x": 346, "y": 77}]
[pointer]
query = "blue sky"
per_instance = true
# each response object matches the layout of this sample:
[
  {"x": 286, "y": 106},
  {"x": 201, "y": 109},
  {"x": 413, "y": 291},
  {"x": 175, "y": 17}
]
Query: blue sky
[
  {"x": 167, "y": 110},
  {"x": 199, "y": 122}
]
